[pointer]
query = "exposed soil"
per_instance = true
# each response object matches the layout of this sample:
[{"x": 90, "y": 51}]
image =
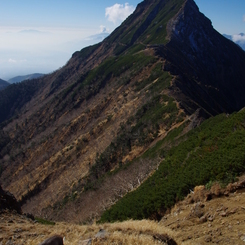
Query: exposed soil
[{"x": 199, "y": 220}]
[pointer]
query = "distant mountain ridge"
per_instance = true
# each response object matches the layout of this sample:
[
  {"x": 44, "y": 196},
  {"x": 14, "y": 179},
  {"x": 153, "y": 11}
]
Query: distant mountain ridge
[
  {"x": 3, "y": 84},
  {"x": 19, "y": 79}
]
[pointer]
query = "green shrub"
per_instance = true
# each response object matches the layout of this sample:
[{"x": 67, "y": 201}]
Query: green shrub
[
  {"x": 212, "y": 152},
  {"x": 44, "y": 222}
]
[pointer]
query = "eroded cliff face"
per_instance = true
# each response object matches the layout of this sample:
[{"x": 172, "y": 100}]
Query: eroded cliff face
[{"x": 210, "y": 66}]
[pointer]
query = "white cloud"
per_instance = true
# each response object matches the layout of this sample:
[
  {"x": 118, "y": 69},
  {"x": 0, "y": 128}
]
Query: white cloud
[
  {"x": 118, "y": 12},
  {"x": 12, "y": 61},
  {"x": 103, "y": 29},
  {"x": 238, "y": 38}
]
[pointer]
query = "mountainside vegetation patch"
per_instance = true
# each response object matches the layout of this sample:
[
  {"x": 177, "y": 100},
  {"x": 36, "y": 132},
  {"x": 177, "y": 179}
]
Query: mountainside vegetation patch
[{"x": 211, "y": 152}]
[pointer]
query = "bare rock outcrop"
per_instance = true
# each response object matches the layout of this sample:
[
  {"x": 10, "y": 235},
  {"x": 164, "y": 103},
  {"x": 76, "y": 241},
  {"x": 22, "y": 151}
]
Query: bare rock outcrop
[{"x": 54, "y": 240}]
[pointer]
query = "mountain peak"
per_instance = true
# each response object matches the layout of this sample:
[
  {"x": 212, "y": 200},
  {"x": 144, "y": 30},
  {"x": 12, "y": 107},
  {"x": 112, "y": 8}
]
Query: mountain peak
[
  {"x": 188, "y": 25},
  {"x": 147, "y": 25},
  {"x": 165, "y": 66}
]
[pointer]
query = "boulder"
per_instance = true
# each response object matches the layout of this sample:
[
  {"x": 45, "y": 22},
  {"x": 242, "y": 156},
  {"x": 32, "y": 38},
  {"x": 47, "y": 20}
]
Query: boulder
[{"x": 54, "y": 240}]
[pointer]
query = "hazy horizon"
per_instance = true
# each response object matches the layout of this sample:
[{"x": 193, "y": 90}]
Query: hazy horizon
[{"x": 41, "y": 37}]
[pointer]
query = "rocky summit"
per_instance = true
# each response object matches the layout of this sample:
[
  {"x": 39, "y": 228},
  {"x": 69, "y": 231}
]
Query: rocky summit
[{"x": 74, "y": 142}]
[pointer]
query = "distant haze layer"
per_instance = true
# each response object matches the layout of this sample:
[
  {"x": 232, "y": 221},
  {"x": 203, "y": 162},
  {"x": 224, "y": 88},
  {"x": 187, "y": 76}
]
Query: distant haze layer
[{"x": 41, "y": 51}]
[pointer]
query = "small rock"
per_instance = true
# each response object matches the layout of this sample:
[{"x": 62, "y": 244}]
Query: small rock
[
  {"x": 241, "y": 184},
  {"x": 208, "y": 239},
  {"x": 233, "y": 211},
  {"x": 86, "y": 242},
  {"x": 223, "y": 214},
  {"x": 101, "y": 234},
  {"x": 226, "y": 193},
  {"x": 18, "y": 230},
  {"x": 197, "y": 210},
  {"x": 17, "y": 236},
  {"x": 9, "y": 242},
  {"x": 203, "y": 219},
  {"x": 56, "y": 239},
  {"x": 210, "y": 219}
]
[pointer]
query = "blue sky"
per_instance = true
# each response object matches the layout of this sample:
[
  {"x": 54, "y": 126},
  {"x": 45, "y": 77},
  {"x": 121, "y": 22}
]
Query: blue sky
[
  {"x": 227, "y": 16},
  {"x": 41, "y": 35}
]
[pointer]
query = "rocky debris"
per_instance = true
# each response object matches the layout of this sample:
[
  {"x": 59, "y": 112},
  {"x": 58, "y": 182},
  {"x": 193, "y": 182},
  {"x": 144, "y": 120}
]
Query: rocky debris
[
  {"x": 197, "y": 210},
  {"x": 232, "y": 187},
  {"x": 201, "y": 194},
  {"x": 218, "y": 219},
  {"x": 8, "y": 201}
]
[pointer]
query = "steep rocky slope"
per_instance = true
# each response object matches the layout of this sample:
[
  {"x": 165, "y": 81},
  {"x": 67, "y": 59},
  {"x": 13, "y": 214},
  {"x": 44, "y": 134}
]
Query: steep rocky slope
[
  {"x": 208, "y": 63},
  {"x": 69, "y": 136}
]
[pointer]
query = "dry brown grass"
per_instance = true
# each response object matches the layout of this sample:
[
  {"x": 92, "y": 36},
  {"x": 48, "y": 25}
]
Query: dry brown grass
[
  {"x": 20, "y": 230},
  {"x": 222, "y": 222}
]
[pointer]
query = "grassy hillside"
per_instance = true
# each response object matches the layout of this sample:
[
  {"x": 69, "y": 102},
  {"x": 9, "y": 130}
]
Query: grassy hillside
[
  {"x": 212, "y": 152},
  {"x": 24, "y": 231}
]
